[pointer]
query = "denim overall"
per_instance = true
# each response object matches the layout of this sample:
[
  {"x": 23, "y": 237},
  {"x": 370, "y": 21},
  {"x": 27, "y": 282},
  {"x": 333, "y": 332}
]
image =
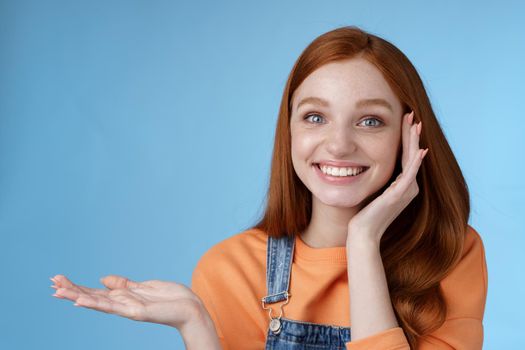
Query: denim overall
[{"x": 287, "y": 334}]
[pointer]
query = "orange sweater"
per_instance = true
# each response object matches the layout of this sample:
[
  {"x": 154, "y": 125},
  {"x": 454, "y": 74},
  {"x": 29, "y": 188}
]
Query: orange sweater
[{"x": 230, "y": 278}]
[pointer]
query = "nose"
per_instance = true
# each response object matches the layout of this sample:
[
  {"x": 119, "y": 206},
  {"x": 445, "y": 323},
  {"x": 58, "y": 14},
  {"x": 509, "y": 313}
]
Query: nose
[{"x": 340, "y": 142}]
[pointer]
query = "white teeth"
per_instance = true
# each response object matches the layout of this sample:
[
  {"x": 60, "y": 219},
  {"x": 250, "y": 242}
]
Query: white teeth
[{"x": 335, "y": 171}]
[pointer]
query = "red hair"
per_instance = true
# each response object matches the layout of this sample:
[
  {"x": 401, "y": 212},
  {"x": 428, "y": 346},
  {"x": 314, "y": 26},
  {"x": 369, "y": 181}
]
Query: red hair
[{"x": 425, "y": 241}]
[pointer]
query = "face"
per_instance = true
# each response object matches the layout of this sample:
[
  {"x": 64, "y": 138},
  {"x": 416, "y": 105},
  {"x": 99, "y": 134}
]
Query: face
[{"x": 345, "y": 119}]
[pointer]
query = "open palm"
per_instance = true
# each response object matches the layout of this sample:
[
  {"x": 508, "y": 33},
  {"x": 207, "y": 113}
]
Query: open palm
[{"x": 154, "y": 301}]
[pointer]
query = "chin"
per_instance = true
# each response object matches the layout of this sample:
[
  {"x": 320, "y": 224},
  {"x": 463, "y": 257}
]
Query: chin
[{"x": 339, "y": 201}]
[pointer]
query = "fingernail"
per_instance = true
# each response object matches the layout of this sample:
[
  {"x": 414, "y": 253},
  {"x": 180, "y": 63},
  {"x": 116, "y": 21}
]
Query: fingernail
[
  {"x": 411, "y": 117},
  {"x": 419, "y": 127},
  {"x": 424, "y": 153}
]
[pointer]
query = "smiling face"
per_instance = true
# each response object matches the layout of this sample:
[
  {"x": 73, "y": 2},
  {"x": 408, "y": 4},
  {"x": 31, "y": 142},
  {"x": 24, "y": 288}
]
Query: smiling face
[{"x": 344, "y": 114}]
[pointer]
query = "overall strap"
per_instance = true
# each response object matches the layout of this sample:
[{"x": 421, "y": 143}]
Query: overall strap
[{"x": 279, "y": 255}]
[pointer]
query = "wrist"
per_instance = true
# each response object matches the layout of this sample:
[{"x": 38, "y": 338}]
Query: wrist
[
  {"x": 197, "y": 317},
  {"x": 359, "y": 239},
  {"x": 199, "y": 331}
]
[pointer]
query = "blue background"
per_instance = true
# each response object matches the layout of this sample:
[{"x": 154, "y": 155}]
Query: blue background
[{"x": 134, "y": 135}]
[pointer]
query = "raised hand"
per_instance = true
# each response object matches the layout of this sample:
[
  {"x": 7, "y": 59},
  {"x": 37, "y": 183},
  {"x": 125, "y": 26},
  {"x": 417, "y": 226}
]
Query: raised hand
[
  {"x": 168, "y": 303},
  {"x": 372, "y": 221}
]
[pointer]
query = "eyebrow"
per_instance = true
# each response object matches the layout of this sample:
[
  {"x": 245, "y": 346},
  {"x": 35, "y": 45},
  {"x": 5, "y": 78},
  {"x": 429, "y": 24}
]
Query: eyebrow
[{"x": 359, "y": 104}]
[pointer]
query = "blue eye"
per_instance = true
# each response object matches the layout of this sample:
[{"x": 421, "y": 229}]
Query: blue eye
[
  {"x": 313, "y": 115},
  {"x": 379, "y": 122}
]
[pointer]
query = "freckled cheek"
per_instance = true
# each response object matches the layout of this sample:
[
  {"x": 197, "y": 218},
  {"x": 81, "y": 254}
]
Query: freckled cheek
[
  {"x": 390, "y": 162},
  {"x": 386, "y": 157},
  {"x": 302, "y": 147}
]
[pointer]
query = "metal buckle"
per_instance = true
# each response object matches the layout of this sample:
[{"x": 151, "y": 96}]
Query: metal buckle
[{"x": 275, "y": 323}]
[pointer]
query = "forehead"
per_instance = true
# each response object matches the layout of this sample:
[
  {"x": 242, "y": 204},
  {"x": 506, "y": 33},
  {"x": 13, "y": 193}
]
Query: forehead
[{"x": 345, "y": 82}]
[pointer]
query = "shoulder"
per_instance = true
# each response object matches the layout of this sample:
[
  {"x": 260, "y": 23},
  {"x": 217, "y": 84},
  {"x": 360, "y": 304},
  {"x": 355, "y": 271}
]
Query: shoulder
[
  {"x": 473, "y": 242},
  {"x": 465, "y": 287},
  {"x": 247, "y": 247},
  {"x": 233, "y": 268},
  {"x": 473, "y": 256}
]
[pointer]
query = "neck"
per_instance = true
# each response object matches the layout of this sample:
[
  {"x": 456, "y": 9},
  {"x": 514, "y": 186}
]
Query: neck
[{"x": 328, "y": 225}]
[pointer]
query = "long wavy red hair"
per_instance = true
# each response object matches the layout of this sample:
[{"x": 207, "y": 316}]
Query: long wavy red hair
[{"x": 426, "y": 240}]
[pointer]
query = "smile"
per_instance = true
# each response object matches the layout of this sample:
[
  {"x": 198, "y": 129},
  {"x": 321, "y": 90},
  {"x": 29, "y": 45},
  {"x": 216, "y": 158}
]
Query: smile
[
  {"x": 339, "y": 175},
  {"x": 340, "y": 171}
]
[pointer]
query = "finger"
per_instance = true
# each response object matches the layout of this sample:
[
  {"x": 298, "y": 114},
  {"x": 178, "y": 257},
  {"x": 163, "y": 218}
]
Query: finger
[
  {"x": 116, "y": 282},
  {"x": 67, "y": 293},
  {"x": 95, "y": 302},
  {"x": 412, "y": 146},
  {"x": 99, "y": 302},
  {"x": 405, "y": 135},
  {"x": 410, "y": 174},
  {"x": 397, "y": 178},
  {"x": 414, "y": 140},
  {"x": 73, "y": 294},
  {"x": 111, "y": 306},
  {"x": 63, "y": 282}
]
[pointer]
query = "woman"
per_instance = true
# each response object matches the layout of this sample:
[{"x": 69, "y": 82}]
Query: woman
[{"x": 359, "y": 225}]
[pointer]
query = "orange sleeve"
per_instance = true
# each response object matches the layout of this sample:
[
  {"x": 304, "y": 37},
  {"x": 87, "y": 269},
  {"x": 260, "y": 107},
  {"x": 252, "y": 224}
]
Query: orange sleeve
[
  {"x": 391, "y": 339},
  {"x": 200, "y": 287},
  {"x": 465, "y": 293}
]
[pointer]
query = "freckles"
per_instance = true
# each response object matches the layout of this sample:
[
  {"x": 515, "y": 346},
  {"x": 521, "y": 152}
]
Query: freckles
[{"x": 302, "y": 143}]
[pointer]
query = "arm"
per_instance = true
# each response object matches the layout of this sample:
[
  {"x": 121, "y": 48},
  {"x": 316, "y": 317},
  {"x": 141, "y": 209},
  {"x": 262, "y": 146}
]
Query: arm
[
  {"x": 200, "y": 287},
  {"x": 371, "y": 309}
]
